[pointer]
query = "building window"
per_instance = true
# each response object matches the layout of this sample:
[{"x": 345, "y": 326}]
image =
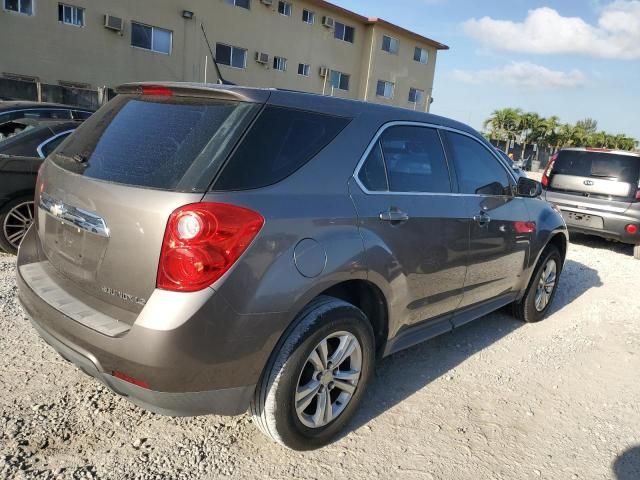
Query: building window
[
  {"x": 308, "y": 17},
  {"x": 231, "y": 56},
  {"x": 420, "y": 55},
  {"x": 344, "y": 32},
  {"x": 280, "y": 63},
  {"x": 284, "y": 8},
  {"x": 20, "y": 6},
  {"x": 340, "y": 80},
  {"x": 416, "y": 96},
  {"x": 151, "y": 38},
  {"x": 239, "y": 3},
  {"x": 304, "y": 69},
  {"x": 390, "y": 44},
  {"x": 70, "y": 15},
  {"x": 384, "y": 89}
]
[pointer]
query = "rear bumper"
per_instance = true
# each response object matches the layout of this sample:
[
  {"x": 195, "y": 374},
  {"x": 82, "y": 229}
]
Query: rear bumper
[
  {"x": 229, "y": 401},
  {"x": 206, "y": 360},
  {"x": 613, "y": 223}
]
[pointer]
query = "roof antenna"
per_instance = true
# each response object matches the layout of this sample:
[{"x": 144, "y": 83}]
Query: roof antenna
[{"x": 221, "y": 80}]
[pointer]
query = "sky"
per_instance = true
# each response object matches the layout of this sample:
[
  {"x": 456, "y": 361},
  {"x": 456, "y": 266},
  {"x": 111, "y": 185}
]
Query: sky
[{"x": 570, "y": 58}]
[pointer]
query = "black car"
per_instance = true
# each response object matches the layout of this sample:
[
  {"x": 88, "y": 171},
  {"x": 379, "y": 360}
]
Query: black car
[
  {"x": 41, "y": 111},
  {"x": 20, "y": 158}
]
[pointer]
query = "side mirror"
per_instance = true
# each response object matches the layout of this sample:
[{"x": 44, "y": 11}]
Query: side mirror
[{"x": 528, "y": 187}]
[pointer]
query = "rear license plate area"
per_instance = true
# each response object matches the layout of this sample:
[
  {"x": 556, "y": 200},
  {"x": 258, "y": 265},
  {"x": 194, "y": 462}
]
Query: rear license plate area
[{"x": 583, "y": 220}]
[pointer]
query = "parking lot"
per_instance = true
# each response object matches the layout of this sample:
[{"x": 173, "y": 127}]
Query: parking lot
[{"x": 496, "y": 399}]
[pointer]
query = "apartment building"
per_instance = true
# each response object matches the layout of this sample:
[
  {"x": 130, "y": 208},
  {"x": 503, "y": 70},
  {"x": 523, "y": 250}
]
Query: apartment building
[{"x": 307, "y": 45}]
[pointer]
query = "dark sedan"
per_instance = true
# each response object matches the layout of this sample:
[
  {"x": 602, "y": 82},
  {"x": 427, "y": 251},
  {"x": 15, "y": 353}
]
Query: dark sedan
[{"x": 20, "y": 158}]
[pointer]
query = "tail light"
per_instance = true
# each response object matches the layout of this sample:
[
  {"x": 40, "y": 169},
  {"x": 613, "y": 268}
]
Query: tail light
[
  {"x": 524, "y": 227},
  {"x": 157, "y": 90},
  {"x": 638, "y": 192},
  {"x": 547, "y": 171},
  {"x": 202, "y": 241}
]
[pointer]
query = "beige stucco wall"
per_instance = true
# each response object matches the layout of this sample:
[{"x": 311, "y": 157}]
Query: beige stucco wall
[{"x": 40, "y": 46}]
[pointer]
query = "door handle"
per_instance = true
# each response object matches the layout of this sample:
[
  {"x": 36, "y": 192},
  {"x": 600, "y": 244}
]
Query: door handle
[
  {"x": 394, "y": 216},
  {"x": 482, "y": 219}
]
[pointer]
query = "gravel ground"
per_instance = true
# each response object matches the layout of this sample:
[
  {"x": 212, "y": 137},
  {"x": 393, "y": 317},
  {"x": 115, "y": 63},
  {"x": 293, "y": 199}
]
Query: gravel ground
[{"x": 497, "y": 399}]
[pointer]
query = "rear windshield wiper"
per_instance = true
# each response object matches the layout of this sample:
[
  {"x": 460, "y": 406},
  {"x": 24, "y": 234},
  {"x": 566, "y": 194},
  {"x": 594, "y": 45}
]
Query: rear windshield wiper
[{"x": 76, "y": 157}]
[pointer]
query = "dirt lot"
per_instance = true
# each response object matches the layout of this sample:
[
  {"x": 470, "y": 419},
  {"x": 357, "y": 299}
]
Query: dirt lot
[{"x": 496, "y": 399}]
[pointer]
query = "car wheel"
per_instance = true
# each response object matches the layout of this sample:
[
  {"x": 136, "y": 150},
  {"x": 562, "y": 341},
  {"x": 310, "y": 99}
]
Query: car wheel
[
  {"x": 636, "y": 252},
  {"x": 15, "y": 219},
  {"x": 314, "y": 383},
  {"x": 542, "y": 288}
]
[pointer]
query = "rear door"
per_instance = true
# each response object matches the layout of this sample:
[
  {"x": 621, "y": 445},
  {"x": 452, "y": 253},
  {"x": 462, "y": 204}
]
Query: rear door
[
  {"x": 498, "y": 248},
  {"x": 405, "y": 206},
  {"x": 105, "y": 196}
]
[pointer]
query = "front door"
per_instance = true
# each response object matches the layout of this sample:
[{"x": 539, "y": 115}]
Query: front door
[
  {"x": 500, "y": 228},
  {"x": 415, "y": 230}
]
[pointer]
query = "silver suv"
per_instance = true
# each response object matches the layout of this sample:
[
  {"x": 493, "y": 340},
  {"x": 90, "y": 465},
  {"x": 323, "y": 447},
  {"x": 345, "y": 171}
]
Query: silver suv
[
  {"x": 213, "y": 249},
  {"x": 598, "y": 192}
]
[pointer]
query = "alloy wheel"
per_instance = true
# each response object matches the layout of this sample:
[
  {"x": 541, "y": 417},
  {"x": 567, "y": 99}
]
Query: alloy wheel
[
  {"x": 17, "y": 222},
  {"x": 328, "y": 380},
  {"x": 546, "y": 284}
]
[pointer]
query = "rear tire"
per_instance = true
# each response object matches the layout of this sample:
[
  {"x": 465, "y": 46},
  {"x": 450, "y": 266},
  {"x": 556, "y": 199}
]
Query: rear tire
[
  {"x": 15, "y": 219},
  {"x": 290, "y": 401},
  {"x": 542, "y": 288},
  {"x": 636, "y": 252}
]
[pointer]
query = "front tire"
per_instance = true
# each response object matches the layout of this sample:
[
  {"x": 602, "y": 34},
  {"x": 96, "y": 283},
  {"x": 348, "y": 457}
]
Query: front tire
[
  {"x": 315, "y": 382},
  {"x": 15, "y": 219},
  {"x": 542, "y": 288}
]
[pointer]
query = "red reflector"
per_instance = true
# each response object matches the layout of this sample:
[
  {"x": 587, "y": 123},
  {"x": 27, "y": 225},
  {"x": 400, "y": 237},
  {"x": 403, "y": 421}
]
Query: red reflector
[
  {"x": 128, "y": 379},
  {"x": 161, "y": 91},
  {"x": 524, "y": 227},
  {"x": 202, "y": 241},
  {"x": 631, "y": 229},
  {"x": 638, "y": 195}
]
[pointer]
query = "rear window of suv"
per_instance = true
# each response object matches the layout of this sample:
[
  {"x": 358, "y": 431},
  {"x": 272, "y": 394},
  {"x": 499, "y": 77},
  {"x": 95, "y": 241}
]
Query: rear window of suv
[
  {"x": 171, "y": 143},
  {"x": 609, "y": 166}
]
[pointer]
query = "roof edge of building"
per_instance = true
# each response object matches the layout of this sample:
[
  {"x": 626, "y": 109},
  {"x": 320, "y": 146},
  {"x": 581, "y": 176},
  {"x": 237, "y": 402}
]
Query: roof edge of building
[
  {"x": 392, "y": 26},
  {"x": 379, "y": 21}
]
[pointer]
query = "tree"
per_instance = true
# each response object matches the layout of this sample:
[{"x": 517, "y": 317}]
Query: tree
[
  {"x": 503, "y": 125},
  {"x": 512, "y": 124},
  {"x": 589, "y": 125}
]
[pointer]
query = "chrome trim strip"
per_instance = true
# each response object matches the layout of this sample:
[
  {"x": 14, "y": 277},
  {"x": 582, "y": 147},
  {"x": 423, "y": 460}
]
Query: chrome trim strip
[
  {"x": 396, "y": 123},
  {"x": 51, "y": 139},
  {"x": 76, "y": 217}
]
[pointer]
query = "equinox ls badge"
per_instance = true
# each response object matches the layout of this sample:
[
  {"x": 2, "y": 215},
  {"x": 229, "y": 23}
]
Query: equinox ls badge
[{"x": 123, "y": 295}]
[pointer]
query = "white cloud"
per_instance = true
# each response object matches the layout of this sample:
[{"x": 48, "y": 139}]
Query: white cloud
[
  {"x": 545, "y": 31},
  {"x": 523, "y": 74}
]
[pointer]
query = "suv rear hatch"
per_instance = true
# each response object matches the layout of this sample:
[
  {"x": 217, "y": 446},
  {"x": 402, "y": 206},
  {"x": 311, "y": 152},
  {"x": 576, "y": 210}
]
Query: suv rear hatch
[
  {"x": 106, "y": 194},
  {"x": 601, "y": 179}
]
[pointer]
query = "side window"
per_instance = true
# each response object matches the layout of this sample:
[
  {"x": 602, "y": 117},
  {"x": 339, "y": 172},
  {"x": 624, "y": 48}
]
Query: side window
[
  {"x": 51, "y": 145},
  {"x": 280, "y": 142},
  {"x": 372, "y": 173},
  {"x": 479, "y": 172},
  {"x": 415, "y": 160}
]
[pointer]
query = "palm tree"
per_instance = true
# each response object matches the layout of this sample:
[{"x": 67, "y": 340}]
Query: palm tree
[
  {"x": 503, "y": 124},
  {"x": 496, "y": 123}
]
